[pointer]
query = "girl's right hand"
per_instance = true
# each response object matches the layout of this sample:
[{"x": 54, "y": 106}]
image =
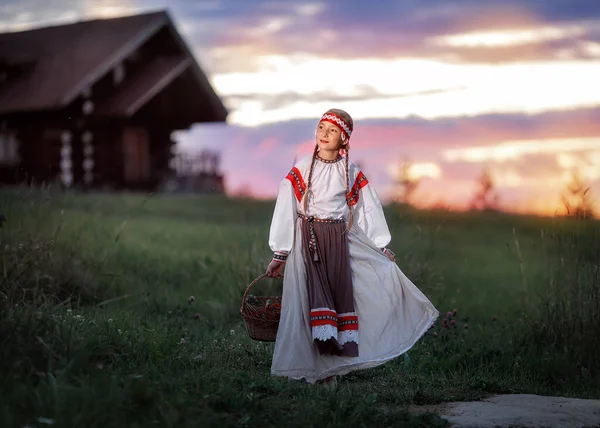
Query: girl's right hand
[
  {"x": 390, "y": 254},
  {"x": 274, "y": 269}
]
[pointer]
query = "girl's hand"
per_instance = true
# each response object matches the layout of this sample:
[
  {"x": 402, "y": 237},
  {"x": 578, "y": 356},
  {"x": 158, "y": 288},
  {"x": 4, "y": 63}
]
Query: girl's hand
[
  {"x": 274, "y": 269},
  {"x": 390, "y": 254}
]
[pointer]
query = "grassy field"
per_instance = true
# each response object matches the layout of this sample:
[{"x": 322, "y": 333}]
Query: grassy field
[{"x": 97, "y": 328}]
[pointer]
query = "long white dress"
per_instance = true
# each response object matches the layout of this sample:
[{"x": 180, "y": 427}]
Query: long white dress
[{"x": 393, "y": 313}]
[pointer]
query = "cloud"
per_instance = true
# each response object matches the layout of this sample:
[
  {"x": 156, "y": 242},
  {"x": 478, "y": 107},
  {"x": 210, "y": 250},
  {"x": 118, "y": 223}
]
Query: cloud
[
  {"x": 420, "y": 79},
  {"x": 234, "y": 35},
  {"x": 532, "y": 180},
  {"x": 511, "y": 37},
  {"x": 18, "y": 15},
  {"x": 414, "y": 171},
  {"x": 358, "y": 93},
  {"x": 393, "y": 30},
  {"x": 357, "y": 25},
  {"x": 511, "y": 150},
  {"x": 483, "y": 89}
]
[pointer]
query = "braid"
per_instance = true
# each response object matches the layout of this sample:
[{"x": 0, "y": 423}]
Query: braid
[
  {"x": 312, "y": 164},
  {"x": 350, "y": 217}
]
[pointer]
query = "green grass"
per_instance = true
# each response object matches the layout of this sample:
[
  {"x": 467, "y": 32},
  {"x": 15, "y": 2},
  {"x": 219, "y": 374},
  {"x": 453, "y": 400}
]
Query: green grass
[{"x": 96, "y": 328}]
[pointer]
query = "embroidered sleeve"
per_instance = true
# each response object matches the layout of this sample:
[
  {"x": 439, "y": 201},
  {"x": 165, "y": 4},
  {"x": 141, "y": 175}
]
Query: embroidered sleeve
[
  {"x": 295, "y": 177},
  {"x": 281, "y": 234},
  {"x": 354, "y": 194},
  {"x": 368, "y": 212}
]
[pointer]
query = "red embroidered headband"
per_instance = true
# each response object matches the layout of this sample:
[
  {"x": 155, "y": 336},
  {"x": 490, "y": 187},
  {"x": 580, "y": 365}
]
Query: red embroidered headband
[{"x": 340, "y": 123}]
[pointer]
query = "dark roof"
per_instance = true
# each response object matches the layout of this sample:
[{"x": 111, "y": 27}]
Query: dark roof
[
  {"x": 63, "y": 60},
  {"x": 159, "y": 73}
]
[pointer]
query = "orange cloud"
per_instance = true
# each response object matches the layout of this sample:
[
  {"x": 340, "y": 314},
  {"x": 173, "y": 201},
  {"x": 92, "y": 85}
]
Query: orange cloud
[{"x": 511, "y": 150}]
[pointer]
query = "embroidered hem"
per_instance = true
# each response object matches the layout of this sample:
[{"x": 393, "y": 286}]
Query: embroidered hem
[
  {"x": 324, "y": 332},
  {"x": 327, "y": 324},
  {"x": 348, "y": 336}
]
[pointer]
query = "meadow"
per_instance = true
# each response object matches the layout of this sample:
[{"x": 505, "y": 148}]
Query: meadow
[{"x": 98, "y": 327}]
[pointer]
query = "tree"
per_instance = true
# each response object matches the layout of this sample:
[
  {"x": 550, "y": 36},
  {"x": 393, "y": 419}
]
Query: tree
[
  {"x": 408, "y": 183},
  {"x": 577, "y": 198},
  {"x": 485, "y": 197}
]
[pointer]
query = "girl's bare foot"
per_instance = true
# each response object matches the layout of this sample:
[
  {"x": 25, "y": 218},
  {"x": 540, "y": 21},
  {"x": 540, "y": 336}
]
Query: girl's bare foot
[{"x": 330, "y": 382}]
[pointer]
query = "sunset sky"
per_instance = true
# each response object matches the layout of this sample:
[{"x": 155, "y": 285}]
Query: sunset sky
[{"x": 453, "y": 86}]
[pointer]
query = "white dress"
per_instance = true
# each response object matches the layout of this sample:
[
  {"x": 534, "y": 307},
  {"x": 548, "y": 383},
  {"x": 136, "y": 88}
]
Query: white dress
[{"x": 393, "y": 313}]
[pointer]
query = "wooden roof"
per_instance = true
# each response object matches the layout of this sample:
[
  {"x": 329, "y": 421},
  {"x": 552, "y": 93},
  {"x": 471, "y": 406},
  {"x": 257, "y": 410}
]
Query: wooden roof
[
  {"x": 53, "y": 65},
  {"x": 160, "y": 72}
]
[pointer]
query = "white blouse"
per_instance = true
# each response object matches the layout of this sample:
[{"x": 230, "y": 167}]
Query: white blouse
[{"x": 327, "y": 199}]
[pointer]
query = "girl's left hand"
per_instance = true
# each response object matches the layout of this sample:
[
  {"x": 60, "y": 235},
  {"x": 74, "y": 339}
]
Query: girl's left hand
[
  {"x": 274, "y": 269},
  {"x": 390, "y": 254}
]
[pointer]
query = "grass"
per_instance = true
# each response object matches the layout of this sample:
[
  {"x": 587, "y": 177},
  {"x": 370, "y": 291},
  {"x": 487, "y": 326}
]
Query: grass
[{"x": 97, "y": 329}]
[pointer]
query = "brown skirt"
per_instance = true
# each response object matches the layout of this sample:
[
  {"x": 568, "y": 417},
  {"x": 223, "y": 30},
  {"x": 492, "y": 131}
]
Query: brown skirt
[{"x": 332, "y": 316}]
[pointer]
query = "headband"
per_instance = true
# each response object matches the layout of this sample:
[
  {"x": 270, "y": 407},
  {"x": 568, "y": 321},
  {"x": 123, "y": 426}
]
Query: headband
[{"x": 339, "y": 122}]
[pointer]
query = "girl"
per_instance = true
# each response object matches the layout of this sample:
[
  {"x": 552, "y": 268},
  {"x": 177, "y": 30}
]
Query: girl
[{"x": 345, "y": 305}]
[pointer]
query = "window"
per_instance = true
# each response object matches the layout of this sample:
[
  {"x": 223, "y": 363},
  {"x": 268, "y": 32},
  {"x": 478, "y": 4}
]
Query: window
[{"x": 9, "y": 149}]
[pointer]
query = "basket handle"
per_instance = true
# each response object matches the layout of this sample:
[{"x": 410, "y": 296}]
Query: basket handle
[{"x": 261, "y": 276}]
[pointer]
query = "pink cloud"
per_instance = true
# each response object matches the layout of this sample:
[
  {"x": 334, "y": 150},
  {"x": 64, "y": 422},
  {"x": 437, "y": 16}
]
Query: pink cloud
[
  {"x": 261, "y": 157},
  {"x": 266, "y": 148}
]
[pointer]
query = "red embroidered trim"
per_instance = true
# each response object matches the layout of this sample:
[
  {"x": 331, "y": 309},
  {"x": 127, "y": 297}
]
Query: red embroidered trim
[
  {"x": 360, "y": 182},
  {"x": 323, "y": 317},
  {"x": 323, "y": 313},
  {"x": 337, "y": 121},
  {"x": 329, "y": 317},
  {"x": 323, "y": 322},
  {"x": 296, "y": 179},
  {"x": 349, "y": 322},
  {"x": 280, "y": 256}
]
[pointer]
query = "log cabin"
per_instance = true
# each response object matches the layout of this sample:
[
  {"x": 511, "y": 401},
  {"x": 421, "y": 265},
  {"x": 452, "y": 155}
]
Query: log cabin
[{"x": 93, "y": 104}]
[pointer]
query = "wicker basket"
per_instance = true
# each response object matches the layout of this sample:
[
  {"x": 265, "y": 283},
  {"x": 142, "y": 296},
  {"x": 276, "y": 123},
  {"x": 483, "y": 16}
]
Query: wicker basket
[{"x": 261, "y": 314}]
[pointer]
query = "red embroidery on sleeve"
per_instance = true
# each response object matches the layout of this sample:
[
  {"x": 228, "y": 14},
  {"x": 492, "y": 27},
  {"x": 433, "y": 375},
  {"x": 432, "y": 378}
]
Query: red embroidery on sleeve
[
  {"x": 360, "y": 182},
  {"x": 296, "y": 179}
]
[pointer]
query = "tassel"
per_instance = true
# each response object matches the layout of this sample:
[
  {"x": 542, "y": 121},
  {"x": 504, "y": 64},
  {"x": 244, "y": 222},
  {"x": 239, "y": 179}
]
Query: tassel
[{"x": 315, "y": 256}]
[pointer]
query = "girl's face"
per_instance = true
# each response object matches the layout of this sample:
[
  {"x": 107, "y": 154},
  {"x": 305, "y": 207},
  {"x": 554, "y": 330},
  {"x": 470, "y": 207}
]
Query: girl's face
[{"x": 329, "y": 136}]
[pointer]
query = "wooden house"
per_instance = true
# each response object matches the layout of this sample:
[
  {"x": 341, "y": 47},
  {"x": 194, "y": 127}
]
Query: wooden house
[{"x": 93, "y": 104}]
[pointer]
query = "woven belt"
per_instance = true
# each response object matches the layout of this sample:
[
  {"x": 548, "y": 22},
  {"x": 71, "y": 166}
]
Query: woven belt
[
  {"x": 312, "y": 243},
  {"x": 311, "y": 219}
]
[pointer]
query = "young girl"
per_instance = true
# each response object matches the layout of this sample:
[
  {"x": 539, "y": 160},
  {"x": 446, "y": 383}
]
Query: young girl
[{"x": 345, "y": 305}]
